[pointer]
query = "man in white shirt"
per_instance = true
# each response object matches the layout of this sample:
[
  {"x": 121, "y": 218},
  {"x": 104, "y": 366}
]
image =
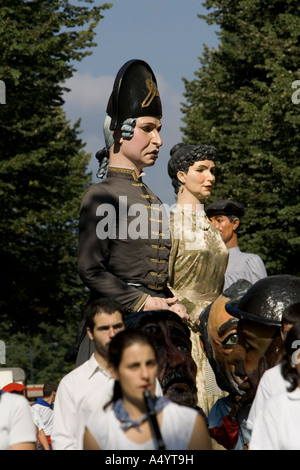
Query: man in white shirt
[
  {"x": 225, "y": 216},
  {"x": 43, "y": 407},
  {"x": 85, "y": 390}
]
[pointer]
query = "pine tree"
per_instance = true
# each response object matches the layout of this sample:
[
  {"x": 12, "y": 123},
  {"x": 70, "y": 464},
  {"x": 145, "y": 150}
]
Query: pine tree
[
  {"x": 42, "y": 163},
  {"x": 241, "y": 102}
]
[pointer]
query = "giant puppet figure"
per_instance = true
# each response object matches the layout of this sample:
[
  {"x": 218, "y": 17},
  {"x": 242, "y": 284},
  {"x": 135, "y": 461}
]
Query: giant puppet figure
[
  {"x": 226, "y": 216},
  {"x": 198, "y": 257},
  {"x": 255, "y": 345},
  {"x": 124, "y": 246},
  {"x": 176, "y": 367}
]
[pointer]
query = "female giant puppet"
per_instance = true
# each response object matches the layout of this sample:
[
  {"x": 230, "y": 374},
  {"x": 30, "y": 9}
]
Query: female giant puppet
[{"x": 198, "y": 257}]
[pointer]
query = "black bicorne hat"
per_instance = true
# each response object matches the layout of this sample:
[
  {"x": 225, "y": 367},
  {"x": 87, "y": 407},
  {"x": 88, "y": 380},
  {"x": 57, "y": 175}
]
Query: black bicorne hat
[
  {"x": 267, "y": 299},
  {"x": 134, "y": 94},
  {"x": 225, "y": 207}
]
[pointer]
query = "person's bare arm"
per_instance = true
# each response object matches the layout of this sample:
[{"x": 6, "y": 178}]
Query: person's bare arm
[
  {"x": 43, "y": 439},
  {"x": 200, "y": 439},
  {"x": 89, "y": 442},
  {"x": 23, "y": 446}
]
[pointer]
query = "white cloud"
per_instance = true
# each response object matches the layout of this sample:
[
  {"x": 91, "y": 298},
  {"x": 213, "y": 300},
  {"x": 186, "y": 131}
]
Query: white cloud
[{"x": 88, "y": 93}]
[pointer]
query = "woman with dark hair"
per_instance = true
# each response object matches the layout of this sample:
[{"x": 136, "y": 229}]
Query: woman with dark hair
[
  {"x": 277, "y": 427},
  {"x": 125, "y": 424},
  {"x": 198, "y": 257}
]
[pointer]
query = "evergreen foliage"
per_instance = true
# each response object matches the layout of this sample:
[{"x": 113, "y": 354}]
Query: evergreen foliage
[
  {"x": 42, "y": 167},
  {"x": 241, "y": 101}
]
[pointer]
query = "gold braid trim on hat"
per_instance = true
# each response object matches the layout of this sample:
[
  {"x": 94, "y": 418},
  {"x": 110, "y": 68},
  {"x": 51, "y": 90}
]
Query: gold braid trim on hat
[{"x": 153, "y": 91}]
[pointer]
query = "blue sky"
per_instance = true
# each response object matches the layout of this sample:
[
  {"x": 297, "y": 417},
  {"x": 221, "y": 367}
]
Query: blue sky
[{"x": 169, "y": 36}]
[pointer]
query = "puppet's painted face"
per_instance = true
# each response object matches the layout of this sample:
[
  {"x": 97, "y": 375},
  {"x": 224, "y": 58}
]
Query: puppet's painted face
[
  {"x": 176, "y": 367},
  {"x": 223, "y": 224},
  {"x": 259, "y": 348},
  {"x": 199, "y": 180},
  {"x": 142, "y": 149},
  {"x": 222, "y": 334}
]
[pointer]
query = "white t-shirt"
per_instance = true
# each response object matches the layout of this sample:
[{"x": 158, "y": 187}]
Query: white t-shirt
[
  {"x": 271, "y": 383},
  {"x": 277, "y": 427},
  {"x": 176, "y": 430},
  {"x": 36, "y": 419},
  {"x": 81, "y": 394},
  {"x": 16, "y": 423},
  {"x": 45, "y": 417}
]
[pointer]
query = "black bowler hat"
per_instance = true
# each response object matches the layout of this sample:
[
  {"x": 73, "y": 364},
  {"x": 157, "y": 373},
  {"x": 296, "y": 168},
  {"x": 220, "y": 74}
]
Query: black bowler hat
[
  {"x": 134, "y": 94},
  {"x": 267, "y": 299},
  {"x": 225, "y": 207}
]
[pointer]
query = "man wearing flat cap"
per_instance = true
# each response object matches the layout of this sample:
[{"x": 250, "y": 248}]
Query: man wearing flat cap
[
  {"x": 124, "y": 243},
  {"x": 225, "y": 215}
]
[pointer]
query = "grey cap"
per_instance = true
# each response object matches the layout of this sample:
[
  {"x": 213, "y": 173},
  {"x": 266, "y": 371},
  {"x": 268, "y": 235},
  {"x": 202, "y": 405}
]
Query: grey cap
[{"x": 225, "y": 207}]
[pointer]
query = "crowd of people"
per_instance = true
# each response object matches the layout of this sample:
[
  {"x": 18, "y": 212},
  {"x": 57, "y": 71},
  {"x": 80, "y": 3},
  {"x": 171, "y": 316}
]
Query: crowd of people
[{"x": 186, "y": 342}]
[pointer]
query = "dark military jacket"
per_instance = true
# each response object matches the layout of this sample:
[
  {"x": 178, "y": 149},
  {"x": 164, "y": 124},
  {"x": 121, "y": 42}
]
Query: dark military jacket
[{"x": 124, "y": 239}]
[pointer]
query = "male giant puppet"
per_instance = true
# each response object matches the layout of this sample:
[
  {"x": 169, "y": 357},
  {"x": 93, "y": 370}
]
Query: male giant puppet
[
  {"x": 247, "y": 332},
  {"x": 123, "y": 248}
]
